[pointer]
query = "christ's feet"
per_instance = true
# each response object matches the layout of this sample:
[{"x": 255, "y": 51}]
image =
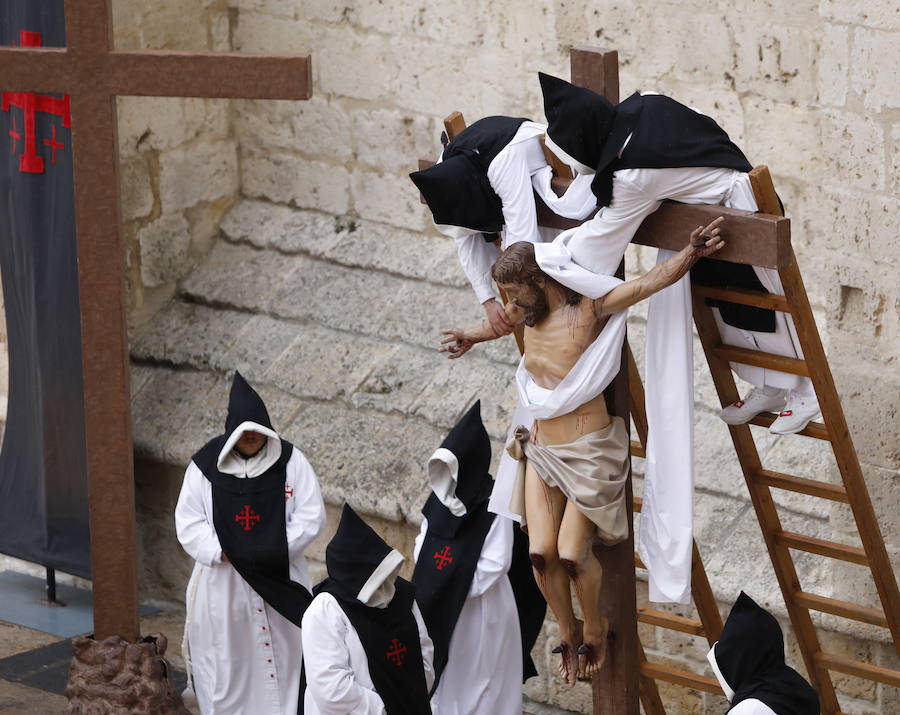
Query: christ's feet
[
  {"x": 568, "y": 653},
  {"x": 592, "y": 652}
]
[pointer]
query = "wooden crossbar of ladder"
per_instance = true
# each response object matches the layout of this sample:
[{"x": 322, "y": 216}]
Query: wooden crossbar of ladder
[
  {"x": 760, "y": 481},
  {"x": 709, "y": 625}
]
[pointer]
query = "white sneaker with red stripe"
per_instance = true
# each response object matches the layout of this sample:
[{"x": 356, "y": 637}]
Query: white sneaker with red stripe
[
  {"x": 752, "y": 404},
  {"x": 799, "y": 411}
]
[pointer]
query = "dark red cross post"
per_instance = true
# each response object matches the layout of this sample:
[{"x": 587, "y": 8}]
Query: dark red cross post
[
  {"x": 92, "y": 73},
  {"x": 396, "y": 652},
  {"x": 442, "y": 558}
]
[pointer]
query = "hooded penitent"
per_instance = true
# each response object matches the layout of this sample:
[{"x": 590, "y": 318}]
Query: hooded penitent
[
  {"x": 362, "y": 577},
  {"x": 248, "y": 510},
  {"x": 457, "y": 189},
  {"x": 748, "y": 661},
  {"x": 458, "y": 523},
  {"x": 661, "y": 133}
]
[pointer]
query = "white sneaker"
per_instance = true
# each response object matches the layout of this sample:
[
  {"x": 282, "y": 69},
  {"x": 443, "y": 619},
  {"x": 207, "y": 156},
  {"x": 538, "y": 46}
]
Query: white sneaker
[
  {"x": 742, "y": 411},
  {"x": 799, "y": 411}
]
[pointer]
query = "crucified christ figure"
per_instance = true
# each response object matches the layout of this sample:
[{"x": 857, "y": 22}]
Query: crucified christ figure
[{"x": 571, "y": 486}]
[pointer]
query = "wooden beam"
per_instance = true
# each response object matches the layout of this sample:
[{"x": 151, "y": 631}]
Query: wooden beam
[{"x": 597, "y": 69}]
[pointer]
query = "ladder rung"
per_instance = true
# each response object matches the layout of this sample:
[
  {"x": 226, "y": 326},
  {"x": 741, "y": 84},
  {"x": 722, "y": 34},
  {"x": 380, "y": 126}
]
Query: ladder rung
[
  {"x": 638, "y": 564},
  {"x": 757, "y": 358},
  {"x": 681, "y": 677},
  {"x": 841, "y": 608},
  {"x": 818, "y": 430},
  {"x": 638, "y": 505},
  {"x": 637, "y": 449},
  {"x": 831, "y": 549},
  {"x": 744, "y": 297},
  {"x": 834, "y": 492},
  {"x": 670, "y": 621},
  {"x": 858, "y": 668}
]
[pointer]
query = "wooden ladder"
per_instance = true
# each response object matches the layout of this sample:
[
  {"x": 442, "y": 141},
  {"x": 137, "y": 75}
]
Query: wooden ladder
[{"x": 761, "y": 481}]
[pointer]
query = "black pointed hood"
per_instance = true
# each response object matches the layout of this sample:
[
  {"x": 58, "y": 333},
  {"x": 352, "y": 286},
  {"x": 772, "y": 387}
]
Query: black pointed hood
[
  {"x": 578, "y": 120},
  {"x": 470, "y": 446},
  {"x": 748, "y": 661},
  {"x": 357, "y": 556},
  {"x": 459, "y": 194},
  {"x": 245, "y": 405}
]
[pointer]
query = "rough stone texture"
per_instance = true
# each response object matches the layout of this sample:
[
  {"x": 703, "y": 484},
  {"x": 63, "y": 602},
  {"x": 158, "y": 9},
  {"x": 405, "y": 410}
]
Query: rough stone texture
[{"x": 115, "y": 676}]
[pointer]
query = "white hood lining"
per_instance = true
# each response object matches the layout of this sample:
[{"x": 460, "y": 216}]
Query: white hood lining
[
  {"x": 443, "y": 473},
  {"x": 386, "y": 571},
  {"x": 711, "y": 657},
  {"x": 576, "y": 165},
  {"x": 230, "y": 463}
]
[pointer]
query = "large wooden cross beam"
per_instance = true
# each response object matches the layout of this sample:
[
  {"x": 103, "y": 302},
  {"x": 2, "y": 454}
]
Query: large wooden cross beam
[{"x": 93, "y": 74}]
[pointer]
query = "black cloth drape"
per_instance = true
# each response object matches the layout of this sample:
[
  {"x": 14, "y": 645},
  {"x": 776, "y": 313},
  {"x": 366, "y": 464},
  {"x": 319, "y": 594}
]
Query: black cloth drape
[{"x": 43, "y": 474}]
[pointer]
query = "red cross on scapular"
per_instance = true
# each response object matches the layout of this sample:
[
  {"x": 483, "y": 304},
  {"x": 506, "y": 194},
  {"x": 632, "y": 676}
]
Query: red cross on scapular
[
  {"x": 288, "y": 492},
  {"x": 442, "y": 558},
  {"x": 29, "y": 103},
  {"x": 248, "y": 516},
  {"x": 396, "y": 652}
]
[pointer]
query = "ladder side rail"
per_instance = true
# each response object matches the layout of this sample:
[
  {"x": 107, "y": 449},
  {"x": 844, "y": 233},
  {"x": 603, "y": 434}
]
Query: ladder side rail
[
  {"x": 844, "y": 451},
  {"x": 767, "y": 516},
  {"x": 649, "y": 692}
]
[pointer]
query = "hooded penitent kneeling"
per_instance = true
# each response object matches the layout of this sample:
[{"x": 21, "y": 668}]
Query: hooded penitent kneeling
[
  {"x": 366, "y": 646},
  {"x": 249, "y": 506},
  {"x": 474, "y": 583},
  {"x": 748, "y": 661}
]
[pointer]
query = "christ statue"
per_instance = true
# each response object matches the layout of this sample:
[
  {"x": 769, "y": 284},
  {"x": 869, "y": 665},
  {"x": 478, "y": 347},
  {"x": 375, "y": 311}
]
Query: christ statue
[{"x": 573, "y": 465}]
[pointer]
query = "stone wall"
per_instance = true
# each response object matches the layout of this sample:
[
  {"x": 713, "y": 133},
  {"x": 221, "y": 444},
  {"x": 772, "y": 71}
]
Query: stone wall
[{"x": 178, "y": 160}]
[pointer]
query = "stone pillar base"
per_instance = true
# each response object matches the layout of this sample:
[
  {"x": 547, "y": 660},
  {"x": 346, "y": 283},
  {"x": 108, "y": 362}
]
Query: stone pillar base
[{"x": 114, "y": 676}]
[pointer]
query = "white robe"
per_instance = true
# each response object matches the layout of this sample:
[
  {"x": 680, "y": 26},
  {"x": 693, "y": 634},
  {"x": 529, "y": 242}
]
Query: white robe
[
  {"x": 484, "y": 666},
  {"x": 337, "y": 671},
  {"x": 518, "y": 170},
  {"x": 245, "y": 656}
]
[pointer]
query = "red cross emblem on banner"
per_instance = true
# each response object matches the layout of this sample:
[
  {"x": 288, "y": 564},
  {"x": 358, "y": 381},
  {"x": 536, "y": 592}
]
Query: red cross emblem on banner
[
  {"x": 442, "y": 558},
  {"x": 30, "y": 103},
  {"x": 288, "y": 492},
  {"x": 396, "y": 652},
  {"x": 247, "y": 516}
]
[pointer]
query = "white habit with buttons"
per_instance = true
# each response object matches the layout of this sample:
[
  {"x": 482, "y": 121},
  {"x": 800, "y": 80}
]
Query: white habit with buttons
[{"x": 245, "y": 655}]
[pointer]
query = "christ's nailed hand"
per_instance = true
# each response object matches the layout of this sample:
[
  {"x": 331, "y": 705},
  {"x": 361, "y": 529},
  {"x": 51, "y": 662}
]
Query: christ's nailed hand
[
  {"x": 706, "y": 240},
  {"x": 454, "y": 343}
]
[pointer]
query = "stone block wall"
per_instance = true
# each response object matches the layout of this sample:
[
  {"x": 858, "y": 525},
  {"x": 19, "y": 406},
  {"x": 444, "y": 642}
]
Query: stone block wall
[{"x": 178, "y": 159}]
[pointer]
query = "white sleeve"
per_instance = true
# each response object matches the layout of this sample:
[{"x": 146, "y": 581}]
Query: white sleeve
[
  {"x": 306, "y": 519},
  {"x": 511, "y": 180},
  {"x": 577, "y": 202},
  {"x": 601, "y": 242},
  {"x": 477, "y": 257},
  {"x": 420, "y": 538},
  {"x": 496, "y": 556},
  {"x": 331, "y": 680},
  {"x": 193, "y": 525},
  {"x": 427, "y": 647}
]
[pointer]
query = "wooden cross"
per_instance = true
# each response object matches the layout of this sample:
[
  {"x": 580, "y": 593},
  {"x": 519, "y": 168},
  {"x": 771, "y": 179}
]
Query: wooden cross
[{"x": 93, "y": 74}]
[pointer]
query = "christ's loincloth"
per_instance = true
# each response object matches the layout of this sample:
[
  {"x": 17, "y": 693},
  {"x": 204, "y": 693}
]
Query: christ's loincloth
[{"x": 591, "y": 472}]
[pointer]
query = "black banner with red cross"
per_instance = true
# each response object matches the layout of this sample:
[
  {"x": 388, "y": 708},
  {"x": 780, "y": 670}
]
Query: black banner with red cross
[{"x": 43, "y": 474}]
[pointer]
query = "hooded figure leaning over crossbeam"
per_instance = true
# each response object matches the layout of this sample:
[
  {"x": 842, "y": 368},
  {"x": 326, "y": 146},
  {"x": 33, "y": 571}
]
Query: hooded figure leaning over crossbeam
[{"x": 573, "y": 463}]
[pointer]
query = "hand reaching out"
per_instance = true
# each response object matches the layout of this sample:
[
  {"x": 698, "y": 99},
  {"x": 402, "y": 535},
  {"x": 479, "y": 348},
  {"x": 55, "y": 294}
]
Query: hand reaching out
[
  {"x": 706, "y": 240},
  {"x": 455, "y": 343}
]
